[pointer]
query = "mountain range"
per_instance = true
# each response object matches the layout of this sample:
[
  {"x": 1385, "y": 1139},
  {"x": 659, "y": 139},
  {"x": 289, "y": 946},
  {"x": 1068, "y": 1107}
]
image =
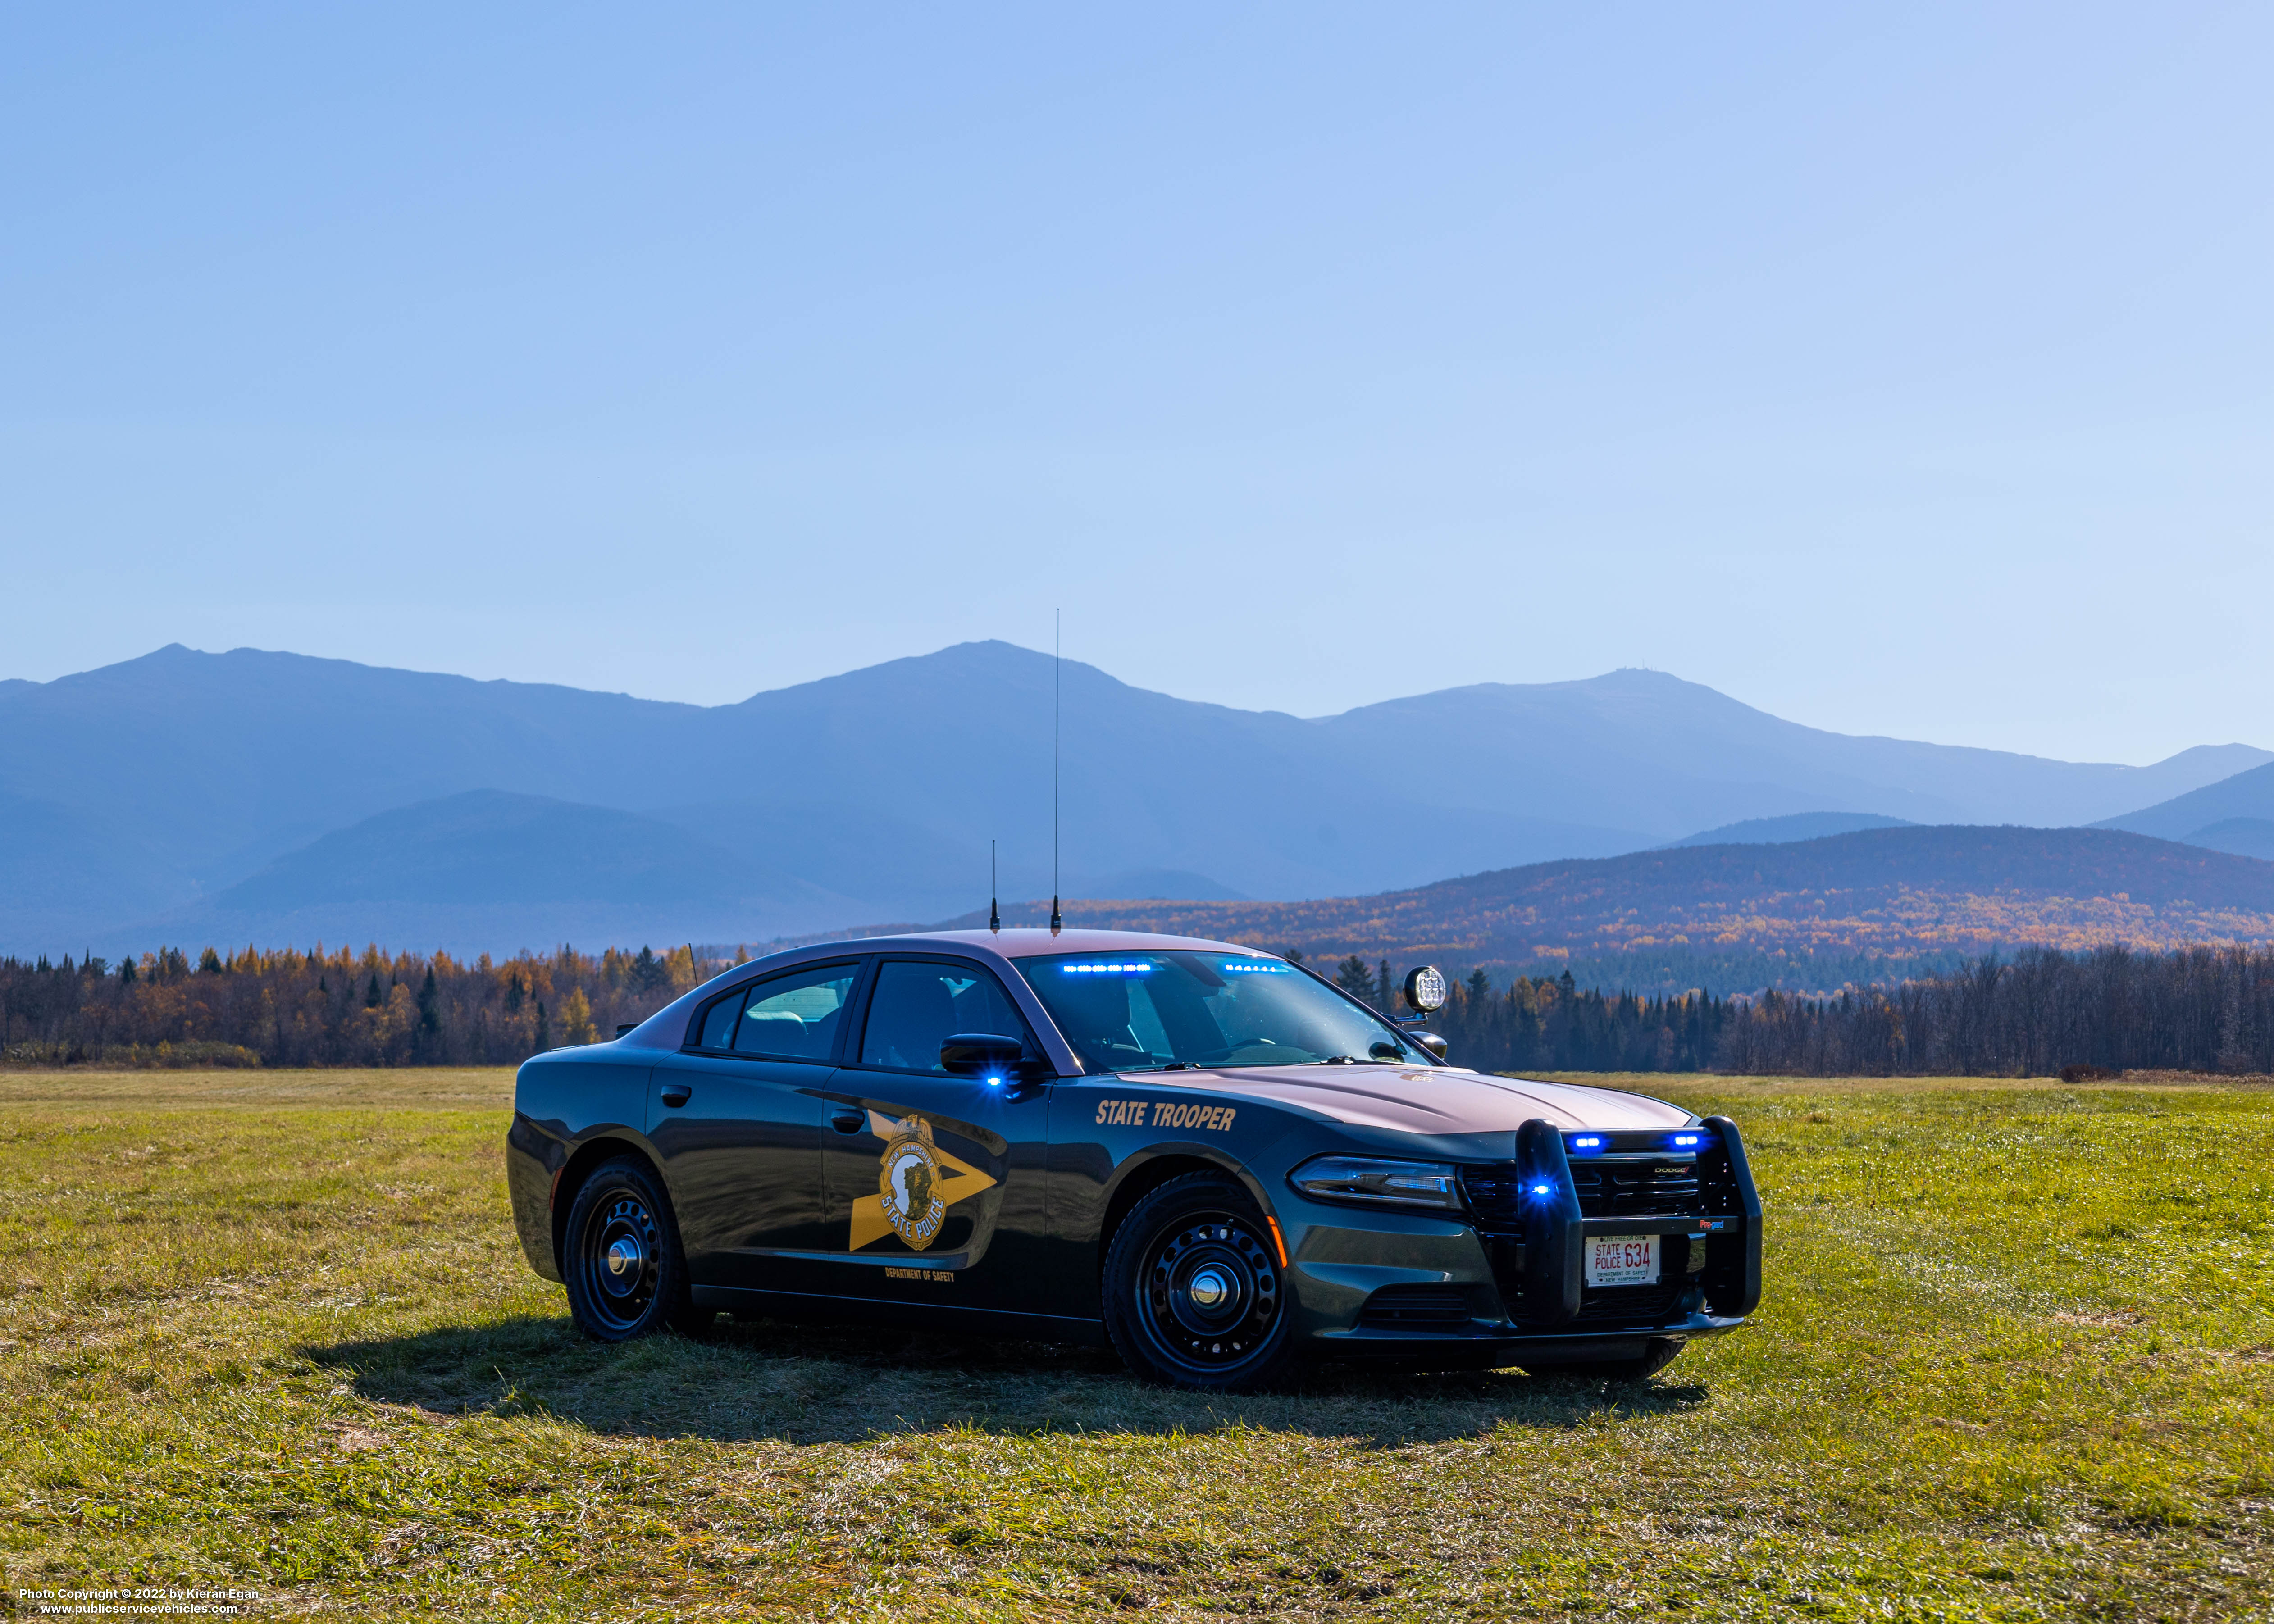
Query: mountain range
[
  {"x": 275, "y": 797},
  {"x": 1890, "y": 897}
]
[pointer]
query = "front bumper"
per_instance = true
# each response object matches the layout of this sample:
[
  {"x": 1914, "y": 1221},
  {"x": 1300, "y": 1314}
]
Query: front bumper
[
  {"x": 1392, "y": 1287},
  {"x": 1382, "y": 1284}
]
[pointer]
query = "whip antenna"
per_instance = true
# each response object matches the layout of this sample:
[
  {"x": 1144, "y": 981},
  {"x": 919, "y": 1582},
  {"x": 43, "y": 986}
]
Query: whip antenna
[
  {"x": 1058, "y": 639},
  {"x": 994, "y": 908}
]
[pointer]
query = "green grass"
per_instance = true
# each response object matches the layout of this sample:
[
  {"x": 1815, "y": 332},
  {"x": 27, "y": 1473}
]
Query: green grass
[{"x": 2016, "y": 1361}]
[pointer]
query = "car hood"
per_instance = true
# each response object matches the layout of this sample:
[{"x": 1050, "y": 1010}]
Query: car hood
[{"x": 1428, "y": 1100}]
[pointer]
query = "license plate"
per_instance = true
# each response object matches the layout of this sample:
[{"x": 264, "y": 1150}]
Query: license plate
[{"x": 1622, "y": 1259}]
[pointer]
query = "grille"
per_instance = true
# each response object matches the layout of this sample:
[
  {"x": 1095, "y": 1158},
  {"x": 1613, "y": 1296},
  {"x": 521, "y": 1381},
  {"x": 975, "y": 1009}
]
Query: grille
[
  {"x": 1416, "y": 1306},
  {"x": 1616, "y": 1189},
  {"x": 1659, "y": 1189},
  {"x": 1493, "y": 1197}
]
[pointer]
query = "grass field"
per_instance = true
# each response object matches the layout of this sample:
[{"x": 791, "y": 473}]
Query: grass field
[{"x": 2016, "y": 1361}]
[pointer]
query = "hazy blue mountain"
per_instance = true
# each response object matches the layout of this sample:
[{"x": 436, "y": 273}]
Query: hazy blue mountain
[
  {"x": 487, "y": 869},
  {"x": 2244, "y": 836},
  {"x": 1642, "y": 749},
  {"x": 1796, "y": 826},
  {"x": 152, "y": 789},
  {"x": 2247, "y": 795},
  {"x": 1154, "y": 884},
  {"x": 66, "y": 871}
]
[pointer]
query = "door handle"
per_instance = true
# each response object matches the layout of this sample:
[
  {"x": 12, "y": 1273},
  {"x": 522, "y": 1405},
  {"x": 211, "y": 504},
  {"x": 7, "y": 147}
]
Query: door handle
[
  {"x": 849, "y": 1121},
  {"x": 676, "y": 1094}
]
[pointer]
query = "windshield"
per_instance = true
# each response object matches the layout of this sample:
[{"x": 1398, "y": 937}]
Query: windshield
[{"x": 1155, "y": 1011}]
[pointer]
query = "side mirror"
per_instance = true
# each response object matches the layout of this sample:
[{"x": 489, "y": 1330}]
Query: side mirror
[
  {"x": 977, "y": 1053},
  {"x": 1429, "y": 1041}
]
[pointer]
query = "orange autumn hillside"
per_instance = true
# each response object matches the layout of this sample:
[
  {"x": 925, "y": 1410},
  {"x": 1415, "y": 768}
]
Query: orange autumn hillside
[{"x": 1897, "y": 892}]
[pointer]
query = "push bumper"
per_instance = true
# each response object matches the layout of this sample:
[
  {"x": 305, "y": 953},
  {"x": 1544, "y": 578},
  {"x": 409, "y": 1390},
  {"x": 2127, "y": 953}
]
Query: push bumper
[{"x": 1423, "y": 1290}]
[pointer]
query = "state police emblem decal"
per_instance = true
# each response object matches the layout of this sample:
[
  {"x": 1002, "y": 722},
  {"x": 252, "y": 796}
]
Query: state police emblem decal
[
  {"x": 916, "y": 1183},
  {"x": 909, "y": 1184}
]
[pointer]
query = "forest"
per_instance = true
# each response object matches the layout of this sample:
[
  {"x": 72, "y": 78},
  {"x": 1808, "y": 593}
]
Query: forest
[
  {"x": 2037, "y": 1013},
  {"x": 2042, "y": 1010},
  {"x": 339, "y": 1009}
]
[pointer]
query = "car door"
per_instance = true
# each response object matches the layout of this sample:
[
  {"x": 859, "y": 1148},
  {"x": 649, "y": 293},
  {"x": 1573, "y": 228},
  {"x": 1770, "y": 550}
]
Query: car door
[
  {"x": 934, "y": 1180},
  {"x": 739, "y": 1117}
]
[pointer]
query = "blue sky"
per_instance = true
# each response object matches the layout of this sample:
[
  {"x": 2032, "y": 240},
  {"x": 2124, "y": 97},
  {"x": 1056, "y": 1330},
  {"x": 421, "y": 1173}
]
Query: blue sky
[{"x": 1897, "y": 370}]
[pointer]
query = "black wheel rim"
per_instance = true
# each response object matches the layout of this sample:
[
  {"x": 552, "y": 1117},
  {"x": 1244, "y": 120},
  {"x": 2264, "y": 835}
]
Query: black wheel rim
[
  {"x": 1209, "y": 1294},
  {"x": 620, "y": 1258}
]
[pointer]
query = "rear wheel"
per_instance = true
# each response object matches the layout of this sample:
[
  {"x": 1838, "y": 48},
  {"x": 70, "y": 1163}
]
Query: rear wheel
[
  {"x": 1194, "y": 1295},
  {"x": 626, "y": 1275},
  {"x": 1657, "y": 1354}
]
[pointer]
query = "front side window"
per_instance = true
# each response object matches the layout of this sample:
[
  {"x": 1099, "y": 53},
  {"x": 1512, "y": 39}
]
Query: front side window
[
  {"x": 1153, "y": 1011},
  {"x": 792, "y": 1016},
  {"x": 917, "y": 1006}
]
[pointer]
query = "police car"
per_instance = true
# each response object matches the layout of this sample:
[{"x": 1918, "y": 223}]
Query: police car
[{"x": 1209, "y": 1156}]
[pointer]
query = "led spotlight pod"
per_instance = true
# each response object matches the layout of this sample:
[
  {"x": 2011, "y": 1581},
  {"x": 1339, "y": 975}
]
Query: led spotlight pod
[{"x": 1425, "y": 989}]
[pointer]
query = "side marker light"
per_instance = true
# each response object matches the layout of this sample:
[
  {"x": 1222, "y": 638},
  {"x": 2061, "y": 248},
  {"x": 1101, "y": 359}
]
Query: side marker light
[{"x": 1278, "y": 1243}]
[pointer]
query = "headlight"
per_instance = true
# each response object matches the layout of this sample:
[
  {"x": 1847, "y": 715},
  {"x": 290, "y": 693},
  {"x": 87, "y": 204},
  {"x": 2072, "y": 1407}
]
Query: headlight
[{"x": 1371, "y": 1183}]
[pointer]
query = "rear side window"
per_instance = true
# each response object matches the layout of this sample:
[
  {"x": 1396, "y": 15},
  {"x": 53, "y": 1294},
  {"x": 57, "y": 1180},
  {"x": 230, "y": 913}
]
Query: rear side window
[
  {"x": 795, "y": 1016},
  {"x": 918, "y": 1005},
  {"x": 718, "y": 1022}
]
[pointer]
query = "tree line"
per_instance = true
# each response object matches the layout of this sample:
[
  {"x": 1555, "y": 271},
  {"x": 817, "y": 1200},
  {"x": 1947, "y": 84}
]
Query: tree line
[
  {"x": 2039, "y": 1013},
  {"x": 1543, "y": 1023},
  {"x": 2200, "y": 1009},
  {"x": 337, "y": 1009}
]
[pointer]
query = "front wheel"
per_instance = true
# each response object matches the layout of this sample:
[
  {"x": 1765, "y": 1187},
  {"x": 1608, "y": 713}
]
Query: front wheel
[
  {"x": 1194, "y": 1295},
  {"x": 626, "y": 1275}
]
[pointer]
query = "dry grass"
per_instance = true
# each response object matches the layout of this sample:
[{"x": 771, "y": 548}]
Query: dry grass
[
  {"x": 2017, "y": 1363},
  {"x": 442, "y": 1088}
]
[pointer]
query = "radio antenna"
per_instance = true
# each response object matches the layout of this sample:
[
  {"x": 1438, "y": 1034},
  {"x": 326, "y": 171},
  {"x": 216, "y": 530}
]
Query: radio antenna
[
  {"x": 1057, "y": 641},
  {"x": 994, "y": 908}
]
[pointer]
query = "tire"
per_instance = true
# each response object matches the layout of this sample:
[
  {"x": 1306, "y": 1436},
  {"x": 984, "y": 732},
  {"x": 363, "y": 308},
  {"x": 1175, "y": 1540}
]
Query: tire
[
  {"x": 620, "y": 1257},
  {"x": 1658, "y": 1353},
  {"x": 1194, "y": 1295}
]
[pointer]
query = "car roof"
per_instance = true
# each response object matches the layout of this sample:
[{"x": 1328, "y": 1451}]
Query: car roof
[{"x": 1030, "y": 943}]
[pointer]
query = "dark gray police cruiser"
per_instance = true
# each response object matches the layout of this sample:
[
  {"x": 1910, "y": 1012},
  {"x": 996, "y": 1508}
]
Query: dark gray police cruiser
[{"x": 1207, "y": 1155}]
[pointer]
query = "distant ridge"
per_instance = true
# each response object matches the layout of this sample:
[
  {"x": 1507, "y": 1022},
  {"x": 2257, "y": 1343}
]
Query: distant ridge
[
  {"x": 2234, "y": 815},
  {"x": 1797, "y": 826},
  {"x": 1885, "y": 892}
]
